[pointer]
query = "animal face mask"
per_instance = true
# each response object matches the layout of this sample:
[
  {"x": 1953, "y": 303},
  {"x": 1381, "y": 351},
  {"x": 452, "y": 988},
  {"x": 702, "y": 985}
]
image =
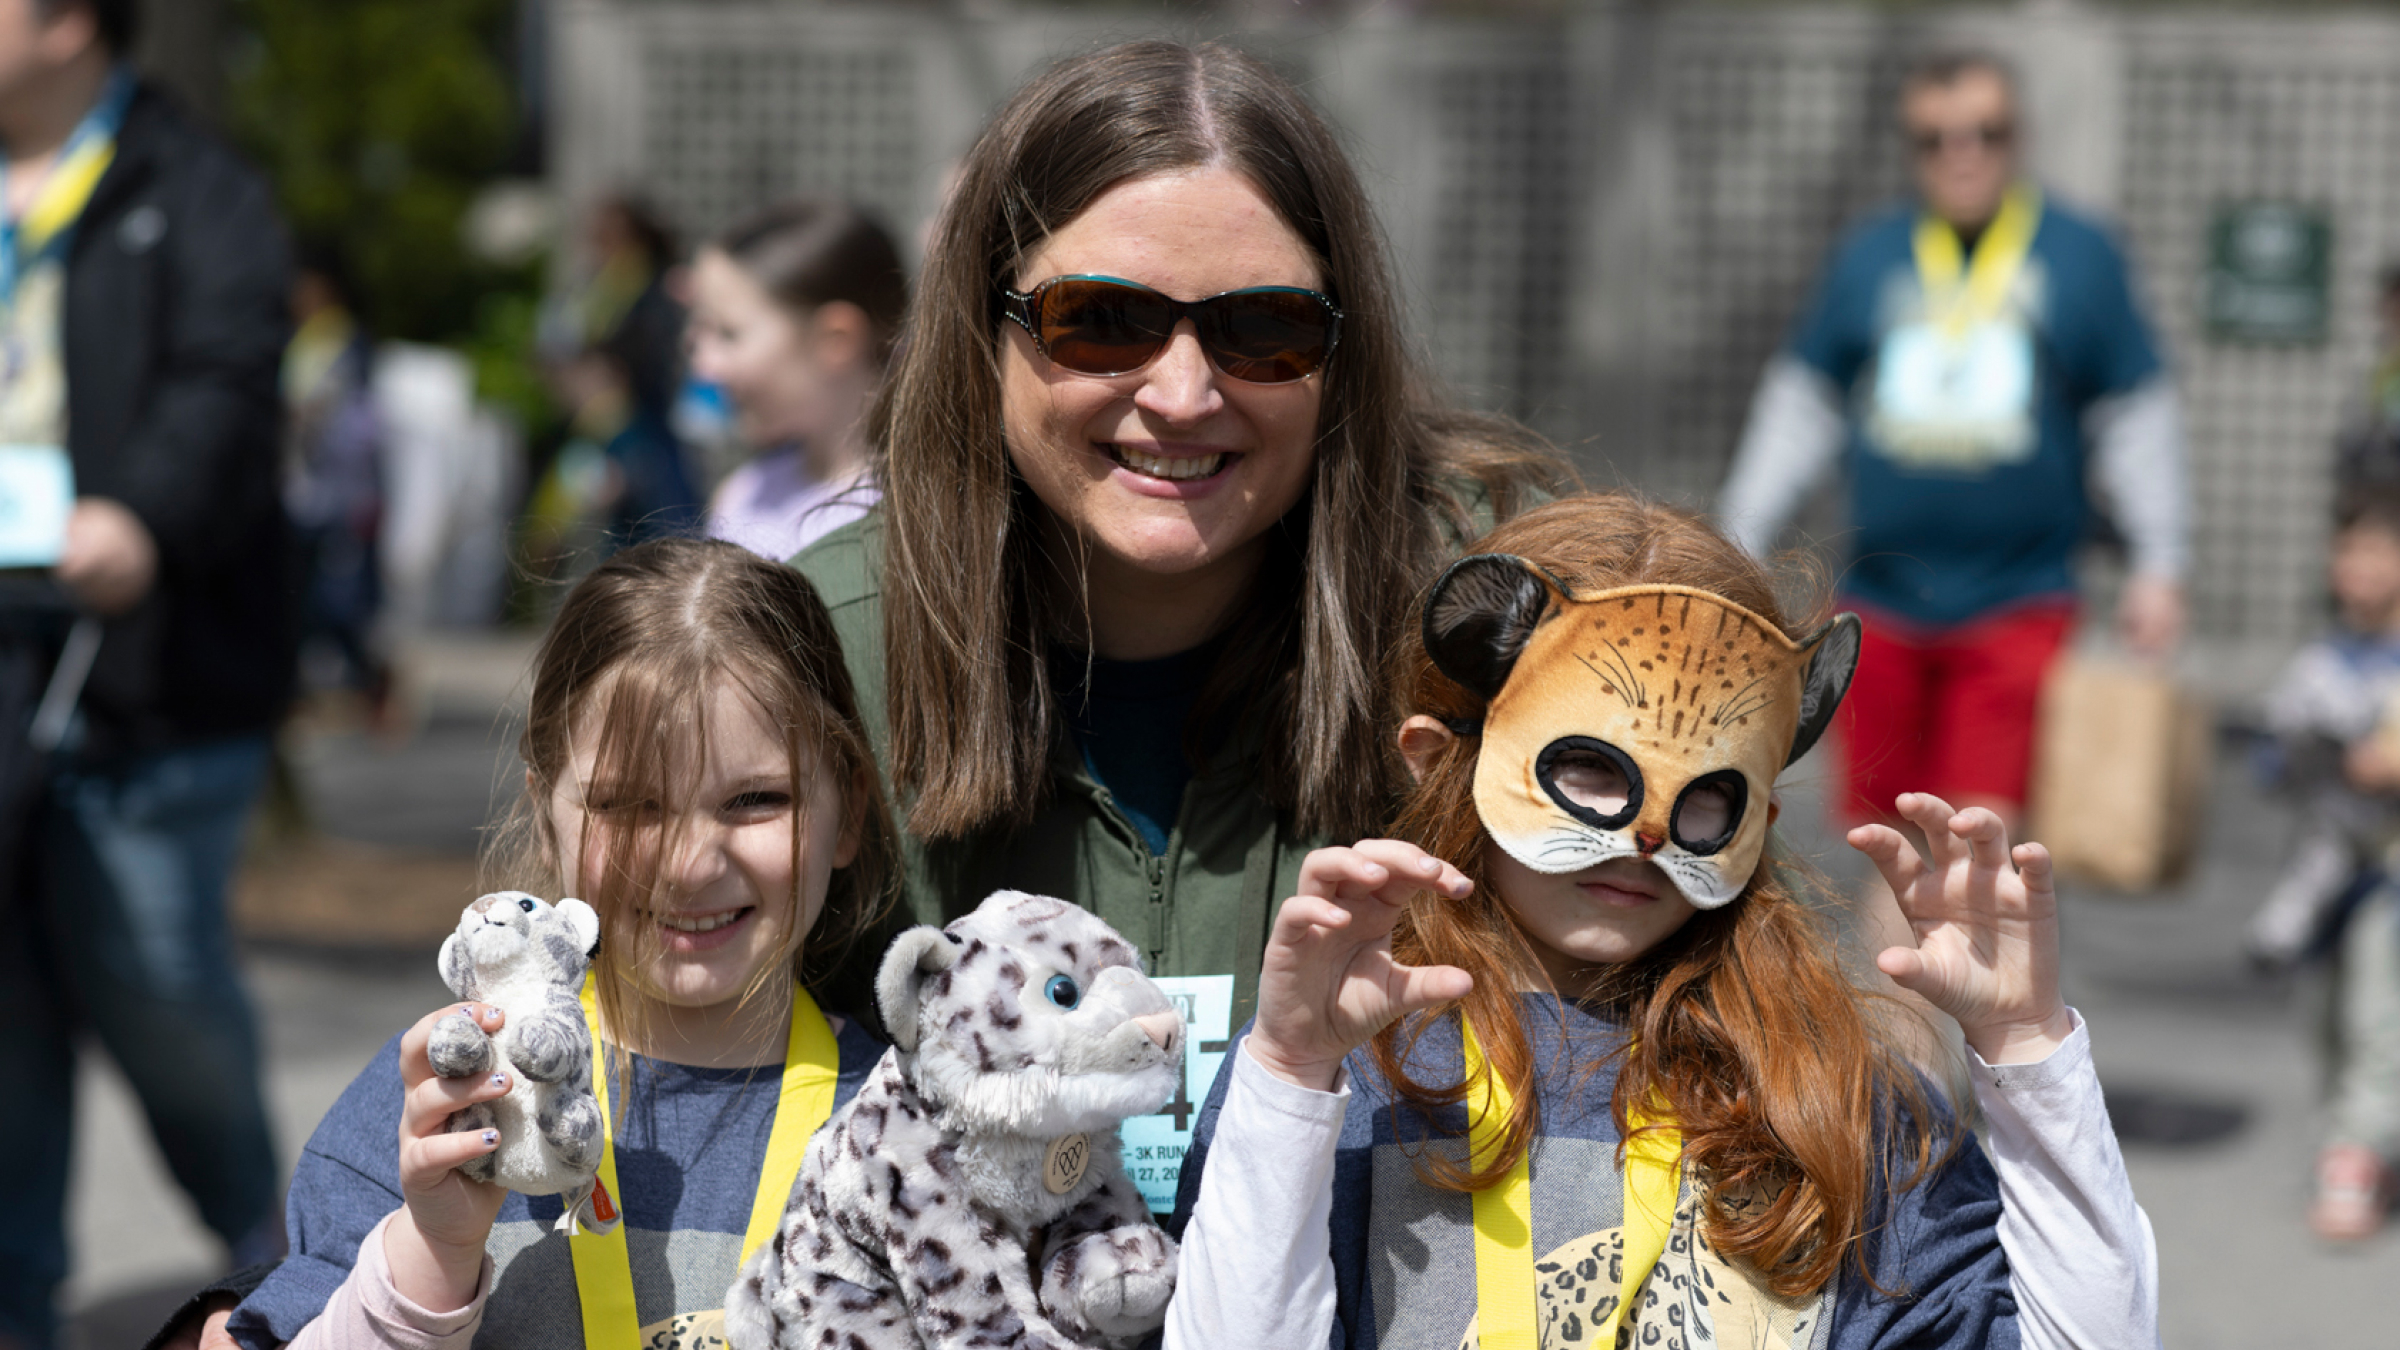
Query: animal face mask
[{"x": 1645, "y": 721}]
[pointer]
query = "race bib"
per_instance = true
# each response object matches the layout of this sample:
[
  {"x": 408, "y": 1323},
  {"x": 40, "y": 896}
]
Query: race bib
[
  {"x": 1154, "y": 1145},
  {"x": 37, "y": 491},
  {"x": 1961, "y": 401}
]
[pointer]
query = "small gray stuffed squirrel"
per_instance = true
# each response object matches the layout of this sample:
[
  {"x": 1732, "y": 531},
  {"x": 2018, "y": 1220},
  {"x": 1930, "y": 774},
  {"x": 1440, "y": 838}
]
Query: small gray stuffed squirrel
[
  {"x": 527, "y": 958},
  {"x": 971, "y": 1194}
]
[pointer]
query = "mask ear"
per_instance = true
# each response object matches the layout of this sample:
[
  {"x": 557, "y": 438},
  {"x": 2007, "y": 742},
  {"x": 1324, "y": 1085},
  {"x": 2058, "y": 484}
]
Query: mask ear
[
  {"x": 899, "y": 982},
  {"x": 1479, "y": 616},
  {"x": 1832, "y": 660}
]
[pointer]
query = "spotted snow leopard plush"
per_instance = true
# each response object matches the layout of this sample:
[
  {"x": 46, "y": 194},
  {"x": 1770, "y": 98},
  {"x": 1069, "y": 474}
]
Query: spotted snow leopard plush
[
  {"x": 527, "y": 959},
  {"x": 971, "y": 1193}
]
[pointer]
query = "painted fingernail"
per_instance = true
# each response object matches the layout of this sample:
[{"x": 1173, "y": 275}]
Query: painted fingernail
[
  {"x": 491, "y": 1139},
  {"x": 499, "y": 1080}
]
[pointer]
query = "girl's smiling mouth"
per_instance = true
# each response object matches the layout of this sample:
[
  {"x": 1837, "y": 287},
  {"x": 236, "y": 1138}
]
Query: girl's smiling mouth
[{"x": 701, "y": 932}]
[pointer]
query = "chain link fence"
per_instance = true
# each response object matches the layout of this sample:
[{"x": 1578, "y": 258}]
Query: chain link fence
[{"x": 1607, "y": 223}]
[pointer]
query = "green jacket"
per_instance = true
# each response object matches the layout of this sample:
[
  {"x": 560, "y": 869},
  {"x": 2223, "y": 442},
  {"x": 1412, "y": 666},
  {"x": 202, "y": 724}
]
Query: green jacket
[{"x": 1201, "y": 910}]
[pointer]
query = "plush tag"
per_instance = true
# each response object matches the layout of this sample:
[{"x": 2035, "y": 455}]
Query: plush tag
[
  {"x": 1063, "y": 1166},
  {"x": 588, "y": 1211}
]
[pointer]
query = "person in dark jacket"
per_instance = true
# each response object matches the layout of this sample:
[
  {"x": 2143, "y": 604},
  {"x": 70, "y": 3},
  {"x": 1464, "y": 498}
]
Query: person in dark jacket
[{"x": 143, "y": 281}]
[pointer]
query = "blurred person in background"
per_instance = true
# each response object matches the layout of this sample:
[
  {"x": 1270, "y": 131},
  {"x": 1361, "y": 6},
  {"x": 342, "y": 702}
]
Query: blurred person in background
[
  {"x": 793, "y": 314},
  {"x": 2368, "y": 449},
  {"x": 144, "y": 289},
  {"x": 613, "y": 347},
  {"x": 1970, "y": 358},
  {"x": 334, "y": 478},
  {"x": 2335, "y": 717}
]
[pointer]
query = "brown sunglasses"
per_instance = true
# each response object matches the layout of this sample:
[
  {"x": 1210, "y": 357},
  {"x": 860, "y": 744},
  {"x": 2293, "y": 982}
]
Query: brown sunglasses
[{"x": 1096, "y": 325}]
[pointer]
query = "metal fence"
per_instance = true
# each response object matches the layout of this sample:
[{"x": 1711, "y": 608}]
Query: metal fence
[{"x": 1607, "y": 222}]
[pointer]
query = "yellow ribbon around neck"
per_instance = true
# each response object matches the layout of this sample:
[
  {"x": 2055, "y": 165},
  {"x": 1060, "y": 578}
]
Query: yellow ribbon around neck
[
  {"x": 1959, "y": 296},
  {"x": 603, "y": 1269},
  {"x": 64, "y": 192},
  {"x": 1507, "y": 1315}
]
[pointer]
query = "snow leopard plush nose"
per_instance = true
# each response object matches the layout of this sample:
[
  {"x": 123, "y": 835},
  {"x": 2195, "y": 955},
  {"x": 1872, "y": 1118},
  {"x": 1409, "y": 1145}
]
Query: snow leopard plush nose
[{"x": 1163, "y": 1029}]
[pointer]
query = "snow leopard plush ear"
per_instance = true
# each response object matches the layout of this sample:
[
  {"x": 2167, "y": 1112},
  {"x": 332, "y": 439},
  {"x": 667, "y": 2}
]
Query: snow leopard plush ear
[
  {"x": 899, "y": 984},
  {"x": 584, "y": 922}
]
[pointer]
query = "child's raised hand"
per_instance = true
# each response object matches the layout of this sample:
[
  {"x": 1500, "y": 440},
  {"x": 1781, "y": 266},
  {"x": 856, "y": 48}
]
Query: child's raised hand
[
  {"x": 1329, "y": 981},
  {"x": 435, "y": 1244},
  {"x": 1987, "y": 930}
]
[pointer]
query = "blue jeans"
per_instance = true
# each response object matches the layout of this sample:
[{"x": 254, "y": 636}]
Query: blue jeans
[{"x": 117, "y": 928}]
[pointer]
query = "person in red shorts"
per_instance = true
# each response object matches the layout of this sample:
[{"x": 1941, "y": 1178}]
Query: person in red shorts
[{"x": 1972, "y": 360}]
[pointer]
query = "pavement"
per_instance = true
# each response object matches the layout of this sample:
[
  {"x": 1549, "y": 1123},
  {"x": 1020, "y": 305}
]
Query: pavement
[{"x": 2212, "y": 1072}]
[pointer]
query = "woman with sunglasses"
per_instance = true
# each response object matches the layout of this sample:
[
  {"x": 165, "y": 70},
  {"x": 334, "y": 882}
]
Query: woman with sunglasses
[{"x": 1160, "y": 484}]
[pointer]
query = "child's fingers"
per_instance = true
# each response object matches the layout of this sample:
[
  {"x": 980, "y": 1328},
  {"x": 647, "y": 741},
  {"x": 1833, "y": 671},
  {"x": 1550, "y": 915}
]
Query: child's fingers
[
  {"x": 428, "y": 1106},
  {"x": 1985, "y": 835},
  {"x": 1422, "y": 987},
  {"x": 1298, "y": 921},
  {"x": 1911, "y": 971},
  {"x": 1414, "y": 867},
  {"x": 1889, "y": 850},
  {"x": 2033, "y": 867},
  {"x": 1932, "y": 815},
  {"x": 1325, "y": 871},
  {"x": 424, "y": 1160}
]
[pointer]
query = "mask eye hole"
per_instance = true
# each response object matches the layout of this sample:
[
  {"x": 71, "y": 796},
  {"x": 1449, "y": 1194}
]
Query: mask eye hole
[
  {"x": 1709, "y": 811},
  {"x": 1063, "y": 991},
  {"x": 1591, "y": 780}
]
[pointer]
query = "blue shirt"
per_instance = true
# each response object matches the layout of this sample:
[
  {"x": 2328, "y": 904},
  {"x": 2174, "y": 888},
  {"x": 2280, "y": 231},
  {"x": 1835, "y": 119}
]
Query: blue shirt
[
  {"x": 1404, "y": 1252},
  {"x": 1128, "y": 719},
  {"x": 1959, "y": 522},
  {"x": 689, "y": 1152}
]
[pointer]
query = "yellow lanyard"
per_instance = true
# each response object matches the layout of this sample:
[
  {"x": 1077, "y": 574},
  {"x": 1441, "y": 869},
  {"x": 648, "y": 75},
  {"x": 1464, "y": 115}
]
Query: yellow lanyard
[
  {"x": 63, "y": 194},
  {"x": 1958, "y": 297},
  {"x": 603, "y": 1270},
  {"x": 1506, "y": 1311}
]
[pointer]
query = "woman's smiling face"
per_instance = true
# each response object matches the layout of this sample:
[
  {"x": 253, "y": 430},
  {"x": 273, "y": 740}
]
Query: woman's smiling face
[{"x": 1175, "y": 467}]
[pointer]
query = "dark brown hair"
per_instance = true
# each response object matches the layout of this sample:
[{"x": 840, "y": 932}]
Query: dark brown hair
[
  {"x": 808, "y": 251},
  {"x": 973, "y": 601},
  {"x": 639, "y": 645},
  {"x": 1742, "y": 1021},
  {"x": 2374, "y": 503},
  {"x": 1943, "y": 68}
]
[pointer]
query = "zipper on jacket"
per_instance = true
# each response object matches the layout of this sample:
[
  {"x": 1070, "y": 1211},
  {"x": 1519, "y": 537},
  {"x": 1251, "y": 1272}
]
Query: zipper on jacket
[{"x": 1158, "y": 910}]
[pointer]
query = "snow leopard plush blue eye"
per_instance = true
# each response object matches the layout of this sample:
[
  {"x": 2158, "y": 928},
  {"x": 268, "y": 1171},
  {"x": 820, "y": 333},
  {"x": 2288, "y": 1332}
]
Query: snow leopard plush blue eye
[
  {"x": 526, "y": 904},
  {"x": 1062, "y": 991}
]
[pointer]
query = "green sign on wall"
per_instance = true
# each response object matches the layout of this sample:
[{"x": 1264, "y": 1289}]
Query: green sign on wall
[{"x": 2269, "y": 270}]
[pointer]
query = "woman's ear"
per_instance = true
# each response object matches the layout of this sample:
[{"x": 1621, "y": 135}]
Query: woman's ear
[
  {"x": 842, "y": 334},
  {"x": 1422, "y": 738}
]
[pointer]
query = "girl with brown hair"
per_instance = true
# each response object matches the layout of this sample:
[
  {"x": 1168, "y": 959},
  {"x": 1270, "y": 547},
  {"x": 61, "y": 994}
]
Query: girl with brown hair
[
  {"x": 1623, "y": 1091},
  {"x": 793, "y": 315},
  {"x": 1159, "y": 475},
  {"x": 695, "y": 770}
]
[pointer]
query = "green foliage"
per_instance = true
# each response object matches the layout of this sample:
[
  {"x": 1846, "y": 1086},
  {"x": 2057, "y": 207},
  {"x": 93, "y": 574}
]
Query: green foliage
[{"x": 379, "y": 120}]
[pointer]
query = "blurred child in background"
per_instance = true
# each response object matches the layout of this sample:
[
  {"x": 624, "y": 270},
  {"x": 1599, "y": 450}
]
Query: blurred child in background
[
  {"x": 333, "y": 481},
  {"x": 794, "y": 312},
  {"x": 2335, "y": 715}
]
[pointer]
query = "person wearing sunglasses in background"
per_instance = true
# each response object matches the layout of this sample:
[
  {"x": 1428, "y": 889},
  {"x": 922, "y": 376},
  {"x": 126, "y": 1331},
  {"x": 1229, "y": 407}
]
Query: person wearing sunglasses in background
[
  {"x": 1970, "y": 358},
  {"x": 1160, "y": 483}
]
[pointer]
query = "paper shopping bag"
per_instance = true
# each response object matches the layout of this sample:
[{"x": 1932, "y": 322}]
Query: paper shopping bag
[{"x": 2121, "y": 770}]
